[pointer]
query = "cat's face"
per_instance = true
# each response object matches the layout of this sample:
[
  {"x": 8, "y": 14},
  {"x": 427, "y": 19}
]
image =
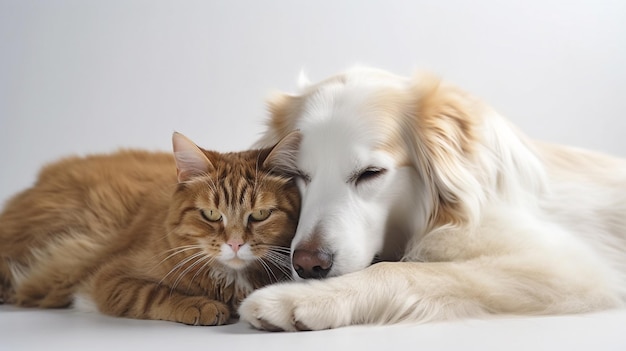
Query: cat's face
[{"x": 236, "y": 213}]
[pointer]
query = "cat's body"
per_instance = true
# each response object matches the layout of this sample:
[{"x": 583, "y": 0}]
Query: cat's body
[{"x": 139, "y": 240}]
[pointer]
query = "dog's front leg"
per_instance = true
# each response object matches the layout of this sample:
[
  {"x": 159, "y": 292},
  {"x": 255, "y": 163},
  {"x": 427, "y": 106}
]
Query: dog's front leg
[
  {"x": 384, "y": 293},
  {"x": 408, "y": 291}
]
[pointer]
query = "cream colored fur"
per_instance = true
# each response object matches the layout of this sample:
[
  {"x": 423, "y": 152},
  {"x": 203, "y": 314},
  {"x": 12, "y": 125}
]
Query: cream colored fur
[{"x": 473, "y": 217}]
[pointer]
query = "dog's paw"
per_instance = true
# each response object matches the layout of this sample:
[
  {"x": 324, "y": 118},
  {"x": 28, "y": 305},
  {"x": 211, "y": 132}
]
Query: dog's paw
[{"x": 296, "y": 306}]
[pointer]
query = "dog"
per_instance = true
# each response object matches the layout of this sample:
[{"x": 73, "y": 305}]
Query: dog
[{"x": 421, "y": 203}]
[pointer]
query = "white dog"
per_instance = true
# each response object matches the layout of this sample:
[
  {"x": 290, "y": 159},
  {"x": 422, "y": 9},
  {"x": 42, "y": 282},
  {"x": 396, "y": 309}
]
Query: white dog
[{"x": 471, "y": 216}]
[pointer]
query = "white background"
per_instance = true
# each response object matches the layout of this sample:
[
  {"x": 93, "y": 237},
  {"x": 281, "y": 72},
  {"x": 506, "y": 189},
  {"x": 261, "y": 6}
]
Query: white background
[{"x": 83, "y": 76}]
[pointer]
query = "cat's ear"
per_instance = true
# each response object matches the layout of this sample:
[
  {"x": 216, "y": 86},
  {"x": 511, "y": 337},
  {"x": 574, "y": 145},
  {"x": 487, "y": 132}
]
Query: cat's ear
[
  {"x": 190, "y": 160},
  {"x": 283, "y": 155}
]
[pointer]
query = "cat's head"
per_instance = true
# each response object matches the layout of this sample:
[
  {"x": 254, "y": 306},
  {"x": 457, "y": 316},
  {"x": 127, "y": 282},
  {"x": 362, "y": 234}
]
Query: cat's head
[{"x": 234, "y": 210}]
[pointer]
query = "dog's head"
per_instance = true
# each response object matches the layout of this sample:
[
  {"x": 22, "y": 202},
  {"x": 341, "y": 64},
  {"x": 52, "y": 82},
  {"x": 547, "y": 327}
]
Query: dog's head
[{"x": 380, "y": 161}]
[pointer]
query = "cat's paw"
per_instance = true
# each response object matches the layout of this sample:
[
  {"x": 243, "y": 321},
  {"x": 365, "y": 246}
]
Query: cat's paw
[
  {"x": 295, "y": 307},
  {"x": 201, "y": 311},
  {"x": 7, "y": 294},
  {"x": 42, "y": 296}
]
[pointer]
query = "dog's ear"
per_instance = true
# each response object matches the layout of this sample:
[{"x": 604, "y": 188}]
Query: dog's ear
[
  {"x": 466, "y": 151},
  {"x": 284, "y": 110},
  {"x": 444, "y": 124}
]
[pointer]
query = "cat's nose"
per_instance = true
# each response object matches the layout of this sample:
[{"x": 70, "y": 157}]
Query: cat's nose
[
  {"x": 235, "y": 244},
  {"x": 312, "y": 264}
]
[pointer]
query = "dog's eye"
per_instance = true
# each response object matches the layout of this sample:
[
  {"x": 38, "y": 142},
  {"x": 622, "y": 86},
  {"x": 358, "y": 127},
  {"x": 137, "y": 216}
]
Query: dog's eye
[{"x": 369, "y": 173}]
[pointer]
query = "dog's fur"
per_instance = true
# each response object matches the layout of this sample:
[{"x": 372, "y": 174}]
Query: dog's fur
[{"x": 478, "y": 218}]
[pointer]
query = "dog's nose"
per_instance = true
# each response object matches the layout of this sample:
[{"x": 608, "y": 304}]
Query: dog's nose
[{"x": 312, "y": 264}]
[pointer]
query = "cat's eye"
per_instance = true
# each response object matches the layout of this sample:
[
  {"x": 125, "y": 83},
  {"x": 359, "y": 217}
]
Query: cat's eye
[
  {"x": 211, "y": 215},
  {"x": 259, "y": 215}
]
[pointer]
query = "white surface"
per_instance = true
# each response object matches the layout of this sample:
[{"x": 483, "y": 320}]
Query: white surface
[
  {"x": 91, "y": 76},
  {"x": 69, "y": 330}
]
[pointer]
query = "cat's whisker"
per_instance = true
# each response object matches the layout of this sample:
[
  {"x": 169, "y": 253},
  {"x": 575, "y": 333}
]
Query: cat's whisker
[
  {"x": 199, "y": 258},
  {"x": 277, "y": 247},
  {"x": 189, "y": 262},
  {"x": 279, "y": 254},
  {"x": 286, "y": 274},
  {"x": 281, "y": 249},
  {"x": 267, "y": 269},
  {"x": 282, "y": 268},
  {"x": 180, "y": 265},
  {"x": 208, "y": 261},
  {"x": 167, "y": 235},
  {"x": 182, "y": 247},
  {"x": 177, "y": 250},
  {"x": 204, "y": 268},
  {"x": 280, "y": 261}
]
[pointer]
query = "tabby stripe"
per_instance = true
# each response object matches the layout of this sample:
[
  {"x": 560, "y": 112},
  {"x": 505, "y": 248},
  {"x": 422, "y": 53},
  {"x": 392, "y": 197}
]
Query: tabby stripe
[
  {"x": 244, "y": 192},
  {"x": 165, "y": 293},
  {"x": 182, "y": 214},
  {"x": 292, "y": 202},
  {"x": 188, "y": 209},
  {"x": 216, "y": 199},
  {"x": 131, "y": 299},
  {"x": 150, "y": 297},
  {"x": 228, "y": 196},
  {"x": 235, "y": 187},
  {"x": 119, "y": 298}
]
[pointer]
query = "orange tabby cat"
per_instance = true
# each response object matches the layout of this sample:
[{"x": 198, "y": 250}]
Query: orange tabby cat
[{"x": 143, "y": 241}]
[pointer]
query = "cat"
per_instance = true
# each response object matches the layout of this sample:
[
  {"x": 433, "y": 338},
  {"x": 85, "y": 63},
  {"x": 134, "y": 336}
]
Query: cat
[{"x": 149, "y": 236}]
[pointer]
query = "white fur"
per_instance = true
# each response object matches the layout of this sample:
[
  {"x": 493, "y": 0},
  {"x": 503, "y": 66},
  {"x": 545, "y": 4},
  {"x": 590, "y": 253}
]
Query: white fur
[
  {"x": 236, "y": 260},
  {"x": 478, "y": 220},
  {"x": 84, "y": 303}
]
